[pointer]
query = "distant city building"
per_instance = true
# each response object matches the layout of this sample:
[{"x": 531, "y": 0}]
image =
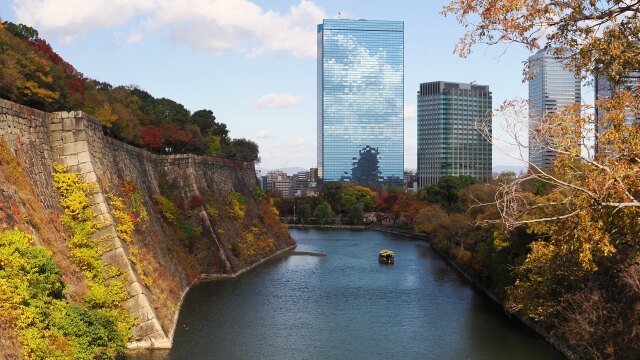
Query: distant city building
[
  {"x": 552, "y": 87},
  {"x": 605, "y": 90},
  {"x": 313, "y": 175},
  {"x": 449, "y": 143},
  {"x": 300, "y": 183},
  {"x": 314, "y": 181},
  {"x": 283, "y": 186},
  {"x": 278, "y": 180},
  {"x": 264, "y": 182},
  {"x": 361, "y": 101},
  {"x": 410, "y": 181}
]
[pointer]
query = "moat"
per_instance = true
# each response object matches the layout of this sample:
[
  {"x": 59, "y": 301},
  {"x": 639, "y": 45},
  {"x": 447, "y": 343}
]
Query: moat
[{"x": 332, "y": 299}]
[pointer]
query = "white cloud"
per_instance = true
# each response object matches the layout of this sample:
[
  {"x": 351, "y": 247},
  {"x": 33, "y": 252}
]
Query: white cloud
[
  {"x": 275, "y": 100},
  {"x": 410, "y": 112},
  {"x": 214, "y": 26},
  {"x": 265, "y": 134},
  {"x": 68, "y": 19}
]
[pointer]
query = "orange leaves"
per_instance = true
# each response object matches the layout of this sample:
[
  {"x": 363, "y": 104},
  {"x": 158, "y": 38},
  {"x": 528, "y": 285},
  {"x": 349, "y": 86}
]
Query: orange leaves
[{"x": 596, "y": 36}]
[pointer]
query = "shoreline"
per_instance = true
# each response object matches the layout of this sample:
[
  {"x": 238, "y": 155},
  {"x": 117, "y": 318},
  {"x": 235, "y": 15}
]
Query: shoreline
[
  {"x": 546, "y": 335},
  {"x": 202, "y": 278}
]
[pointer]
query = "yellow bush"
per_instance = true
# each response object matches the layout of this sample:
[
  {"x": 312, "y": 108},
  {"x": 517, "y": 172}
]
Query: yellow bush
[{"x": 237, "y": 205}]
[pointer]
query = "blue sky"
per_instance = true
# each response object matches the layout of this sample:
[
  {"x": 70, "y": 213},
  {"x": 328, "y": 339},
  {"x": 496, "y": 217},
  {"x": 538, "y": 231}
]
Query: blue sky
[{"x": 253, "y": 62}]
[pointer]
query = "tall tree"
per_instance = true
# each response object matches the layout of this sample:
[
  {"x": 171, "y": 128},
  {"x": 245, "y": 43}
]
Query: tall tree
[
  {"x": 587, "y": 217},
  {"x": 245, "y": 150}
]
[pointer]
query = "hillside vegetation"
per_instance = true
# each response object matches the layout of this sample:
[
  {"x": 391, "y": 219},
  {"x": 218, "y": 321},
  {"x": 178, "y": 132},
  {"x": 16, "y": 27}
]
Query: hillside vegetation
[
  {"x": 64, "y": 291},
  {"x": 33, "y": 74}
]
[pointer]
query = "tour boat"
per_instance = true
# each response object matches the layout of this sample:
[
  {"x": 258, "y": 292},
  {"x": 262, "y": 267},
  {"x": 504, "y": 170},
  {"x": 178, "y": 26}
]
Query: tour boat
[{"x": 386, "y": 256}]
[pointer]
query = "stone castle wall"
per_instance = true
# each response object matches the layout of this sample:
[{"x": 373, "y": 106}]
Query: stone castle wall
[{"x": 77, "y": 141}]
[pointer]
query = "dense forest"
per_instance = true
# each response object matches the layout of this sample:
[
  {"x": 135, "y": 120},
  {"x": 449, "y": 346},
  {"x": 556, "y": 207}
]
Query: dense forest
[{"x": 33, "y": 74}]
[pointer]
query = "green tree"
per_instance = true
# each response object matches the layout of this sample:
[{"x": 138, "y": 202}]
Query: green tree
[
  {"x": 206, "y": 121},
  {"x": 331, "y": 193},
  {"x": 304, "y": 212},
  {"x": 323, "y": 213},
  {"x": 445, "y": 192},
  {"x": 20, "y": 30},
  {"x": 245, "y": 150},
  {"x": 352, "y": 195},
  {"x": 356, "y": 216}
]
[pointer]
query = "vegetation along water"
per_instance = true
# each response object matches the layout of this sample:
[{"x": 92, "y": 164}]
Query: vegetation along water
[{"x": 346, "y": 305}]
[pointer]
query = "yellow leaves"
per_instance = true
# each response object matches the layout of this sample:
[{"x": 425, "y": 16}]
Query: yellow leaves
[
  {"x": 33, "y": 89},
  {"x": 236, "y": 206},
  {"x": 167, "y": 208},
  {"x": 499, "y": 240},
  {"x": 105, "y": 114},
  {"x": 213, "y": 144},
  {"x": 606, "y": 46},
  {"x": 124, "y": 223},
  {"x": 255, "y": 245}
]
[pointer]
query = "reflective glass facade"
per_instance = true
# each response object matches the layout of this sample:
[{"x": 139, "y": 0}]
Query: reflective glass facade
[
  {"x": 552, "y": 87},
  {"x": 361, "y": 101},
  {"x": 605, "y": 90},
  {"x": 449, "y": 143}
]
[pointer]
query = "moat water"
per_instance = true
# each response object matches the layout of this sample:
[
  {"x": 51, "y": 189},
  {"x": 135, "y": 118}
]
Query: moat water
[{"x": 343, "y": 304}]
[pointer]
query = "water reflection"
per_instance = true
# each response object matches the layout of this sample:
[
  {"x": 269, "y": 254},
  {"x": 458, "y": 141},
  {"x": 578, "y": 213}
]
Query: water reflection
[{"x": 346, "y": 305}]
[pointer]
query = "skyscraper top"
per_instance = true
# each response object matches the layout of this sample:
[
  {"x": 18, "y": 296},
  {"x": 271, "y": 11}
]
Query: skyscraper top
[
  {"x": 437, "y": 87},
  {"x": 361, "y": 25}
]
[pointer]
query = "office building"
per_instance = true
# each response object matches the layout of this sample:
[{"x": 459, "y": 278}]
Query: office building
[
  {"x": 605, "y": 90},
  {"x": 300, "y": 183},
  {"x": 361, "y": 101},
  {"x": 552, "y": 87},
  {"x": 449, "y": 142}
]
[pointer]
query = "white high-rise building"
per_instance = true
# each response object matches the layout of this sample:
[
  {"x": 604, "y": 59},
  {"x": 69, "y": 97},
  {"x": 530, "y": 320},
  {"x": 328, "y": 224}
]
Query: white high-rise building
[{"x": 553, "y": 87}]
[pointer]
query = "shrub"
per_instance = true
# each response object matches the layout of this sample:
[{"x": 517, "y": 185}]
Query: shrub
[
  {"x": 237, "y": 205},
  {"x": 105, "y": 293},
  {"x": 195, "y": 201},
  {"x": 167, "y": 208},
  {"x": 31, "y": 298}
]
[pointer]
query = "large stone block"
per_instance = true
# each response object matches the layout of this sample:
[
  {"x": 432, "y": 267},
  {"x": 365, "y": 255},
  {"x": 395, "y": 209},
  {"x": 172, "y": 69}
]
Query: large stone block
[
  {"x": 68, "y": 124},
  {"x": 69, "y": 160},
  {"x": 84, "y": 157},
  {"x": 74, "y": 148},
  {"x": 67, "y": 137},
  {"x": 85, "y": 167}
]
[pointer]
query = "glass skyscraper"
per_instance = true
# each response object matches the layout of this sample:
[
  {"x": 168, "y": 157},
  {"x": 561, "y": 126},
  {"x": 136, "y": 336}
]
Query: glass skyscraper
[
  {"x": 605, "y": 90},
  {"x": 552, "y": 88},
  {"x": 361, "y": 101},
  {"x": 449, "y": 143}
]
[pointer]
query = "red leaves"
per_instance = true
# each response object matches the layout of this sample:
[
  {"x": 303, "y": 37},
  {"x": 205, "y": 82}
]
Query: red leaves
[
  {"x": 75, "y": 82},
  {"x": 195, "y": 201},
  {"x": 152, "y": 137}
]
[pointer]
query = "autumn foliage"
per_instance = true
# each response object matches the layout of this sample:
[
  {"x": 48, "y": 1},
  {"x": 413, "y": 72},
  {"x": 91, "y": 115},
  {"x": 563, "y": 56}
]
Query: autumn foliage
[{"x": 33, "y": 74}]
